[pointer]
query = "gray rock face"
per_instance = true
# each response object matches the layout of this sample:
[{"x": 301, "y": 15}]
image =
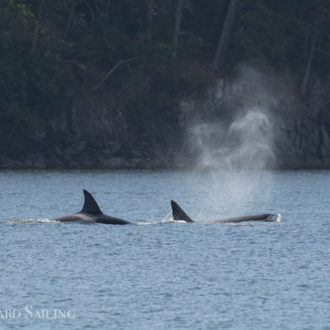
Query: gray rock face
[
  {"x": 292, "y": 133},
  {"x": 254, "y": 119}
]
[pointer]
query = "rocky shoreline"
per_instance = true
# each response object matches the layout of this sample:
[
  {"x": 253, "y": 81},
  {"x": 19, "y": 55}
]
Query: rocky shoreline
[
  {"x": 76, "y": 157},
  {"x": 86, "y": 160}
]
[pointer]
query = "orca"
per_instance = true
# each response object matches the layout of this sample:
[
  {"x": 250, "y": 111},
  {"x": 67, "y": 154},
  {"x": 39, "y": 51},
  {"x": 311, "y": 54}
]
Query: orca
[
  {"x": 179, "y": 214},
  {"x": 91, "y": 213}
]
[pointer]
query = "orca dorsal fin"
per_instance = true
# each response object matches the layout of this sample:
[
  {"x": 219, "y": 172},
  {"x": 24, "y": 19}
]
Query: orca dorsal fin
[
  {"x": 178, "y": 213},
  {"x": 90, "y": 205}
]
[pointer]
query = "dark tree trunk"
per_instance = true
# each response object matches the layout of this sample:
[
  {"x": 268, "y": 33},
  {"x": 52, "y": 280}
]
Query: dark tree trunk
[
  {"x": 308, "y": 65},
  {"x": 216, "y": 21},
  {"x": 177, "y": 26},
  {"x": 69, "y": 22},
  {"x": 219, "y": 56},
  {"x": 37, "y": 27},
  {"x": 150, "y": 14},
  {"x": 91, "y": 12}
]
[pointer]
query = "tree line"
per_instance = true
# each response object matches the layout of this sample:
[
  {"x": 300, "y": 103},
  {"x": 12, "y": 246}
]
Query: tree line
[{"x": 151, "y": 50}]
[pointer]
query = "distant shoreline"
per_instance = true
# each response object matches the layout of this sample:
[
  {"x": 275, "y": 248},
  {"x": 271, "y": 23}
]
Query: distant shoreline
[{"x": 135, "y": 164}]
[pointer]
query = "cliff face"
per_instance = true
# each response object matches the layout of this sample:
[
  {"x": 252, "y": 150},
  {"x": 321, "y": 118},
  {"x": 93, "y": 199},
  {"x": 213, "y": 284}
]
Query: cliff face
[
  {"x": 257, "y": 120},
  {"x": 96, "y": 130},
  {"x": 252, "y": 119},
  {"x": 302, "y": 131},
  {"x": 305, "y": 141}
]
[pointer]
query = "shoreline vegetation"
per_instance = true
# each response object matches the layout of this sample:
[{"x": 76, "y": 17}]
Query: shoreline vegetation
[{"x": 152, "y": 84}]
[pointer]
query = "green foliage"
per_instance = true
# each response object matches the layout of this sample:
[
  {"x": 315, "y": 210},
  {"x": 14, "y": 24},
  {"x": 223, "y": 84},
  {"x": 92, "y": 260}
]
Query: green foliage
[
  {"x": 262, "y": 35},
  {"x": 94, "y": 35},
  {"x": 28, "y": 84},
  {"x": 195, "y": 78},
  {"x": 279, "y": 33}
]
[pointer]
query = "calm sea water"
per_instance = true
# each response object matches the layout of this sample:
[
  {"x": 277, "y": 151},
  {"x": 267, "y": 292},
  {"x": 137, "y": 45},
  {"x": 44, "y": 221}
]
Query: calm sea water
[{"x": 160, "y": 274}]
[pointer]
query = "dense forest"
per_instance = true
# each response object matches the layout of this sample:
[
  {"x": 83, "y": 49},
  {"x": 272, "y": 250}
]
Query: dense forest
[{"x": 80, "y": 77}]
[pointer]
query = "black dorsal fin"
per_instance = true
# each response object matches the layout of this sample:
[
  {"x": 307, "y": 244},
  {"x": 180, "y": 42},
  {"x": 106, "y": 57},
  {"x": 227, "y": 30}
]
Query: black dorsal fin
[
  {"x": 178, "y": 213},
  {"x": 90, "y": 205}
]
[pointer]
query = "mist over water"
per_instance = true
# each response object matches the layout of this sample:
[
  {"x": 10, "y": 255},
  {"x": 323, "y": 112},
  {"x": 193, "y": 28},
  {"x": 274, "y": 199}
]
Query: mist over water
[
  {"x": 247, "y": 143},
  {"x": 238, "y": 141}
]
